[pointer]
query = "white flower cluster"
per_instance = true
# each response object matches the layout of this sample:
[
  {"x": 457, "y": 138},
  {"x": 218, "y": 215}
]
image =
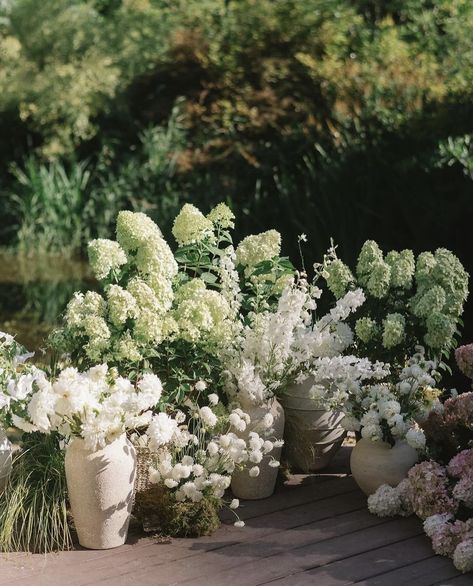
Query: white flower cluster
[
  {"x": 257, "y": 248},
  {"x": 97, "y": 405},
  {"x": 397, "y": 407},
  {"x": 280, "y": 347},
  {"x": 389, "y": 501},
  {"x": 195, "y": 455}
]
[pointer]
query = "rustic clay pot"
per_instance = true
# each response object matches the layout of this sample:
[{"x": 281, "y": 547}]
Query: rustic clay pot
[
  {"x": 243, "y": 485},
  {"x": 374, "y": 463},
  {"x": 5, "y": 459},
  {"x": 312, "y": 436},
  {"x": 101, "y": 490}
]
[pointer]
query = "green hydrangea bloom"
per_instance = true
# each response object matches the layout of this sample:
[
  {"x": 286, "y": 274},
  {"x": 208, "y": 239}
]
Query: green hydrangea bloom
[
  {"x": 221, "y": 215},
  {"x": 338, "y": 277},
  {"x": 155, "y": 258},
  {"x": 104, "y": 256},
  {"x": 402, "y": 266},
  {"x": 432, "y": 301},
  {"x": 366, "y": 329},
  {"x": 440, "y": 330},
  {"x": 258, "y": 247},
  {"x": 370, "y": 256},
  {"x": 135, "y": 229},
  {"x": 121, "y": 305},
  {"x": 379, "y": 280},
  {"x": 191, "y": 226},
  {"x": 393, "y": 330},
  {"x": 202, "y": 314}
]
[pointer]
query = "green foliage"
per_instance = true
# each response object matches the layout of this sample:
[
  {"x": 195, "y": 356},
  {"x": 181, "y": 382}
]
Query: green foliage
[
  {"x": 321, "y": 117},
  {"x": 50, "y": 205},
  {"x": 33, "y": 507}
]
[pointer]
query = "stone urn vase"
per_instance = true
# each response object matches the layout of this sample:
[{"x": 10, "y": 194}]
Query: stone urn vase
[
  {"x": 262, "y": 486},
  {"x": 101, "y": 491},
  {"x": 5, "y": 459},
  {"x": 312, "y": 436},
  {"x": 374, "y": 463}
]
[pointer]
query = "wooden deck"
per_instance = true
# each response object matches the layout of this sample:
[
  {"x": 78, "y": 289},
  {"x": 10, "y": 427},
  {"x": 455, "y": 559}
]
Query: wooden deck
[{"x": 314, "y": 531}]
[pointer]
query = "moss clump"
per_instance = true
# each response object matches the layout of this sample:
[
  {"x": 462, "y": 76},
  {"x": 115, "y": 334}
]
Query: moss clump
[{"x": 159, "y": 511}]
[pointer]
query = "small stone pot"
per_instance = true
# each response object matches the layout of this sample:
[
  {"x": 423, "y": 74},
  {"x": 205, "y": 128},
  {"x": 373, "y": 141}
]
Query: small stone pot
[
  {"x": 374, "y": 463},
  {"x": 101, "y": 491},
  {"x": 262, "y": 486},
  {"x": 5, "y": 460}
]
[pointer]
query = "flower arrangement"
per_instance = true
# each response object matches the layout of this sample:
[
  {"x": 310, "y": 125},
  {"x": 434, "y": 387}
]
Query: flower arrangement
[
  {"x": 443, "y": 497},
  {"x": 410, "y": 301},
  {"x": 440, "y": 490},
  {"x": 97, "y": 405},
  {"x": 450, "y": 430},
  {"x": 192, "y": 456},
  {"x": 392, "y": 411},
  {"x": 280, "y": 347}
]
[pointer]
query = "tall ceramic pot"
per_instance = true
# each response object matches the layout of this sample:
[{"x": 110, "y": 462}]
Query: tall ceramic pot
[
  {"x": 261, "y": 486},
  {"x": 5, "y": 459},
  {"x": 374, "y": 463},
  {"x": 101, "y": 490},
  {"x": 312, "y": 436}
]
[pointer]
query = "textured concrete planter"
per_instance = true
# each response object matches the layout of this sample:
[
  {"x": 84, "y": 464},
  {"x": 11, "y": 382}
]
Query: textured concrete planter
[
  {"x": 312, "y": 436},
  {"x": 376, "y": 463},
  {"x": 5, "y": 459},
  {"x": 101, "y": 489},
  {"x": 244, "y": 486}
]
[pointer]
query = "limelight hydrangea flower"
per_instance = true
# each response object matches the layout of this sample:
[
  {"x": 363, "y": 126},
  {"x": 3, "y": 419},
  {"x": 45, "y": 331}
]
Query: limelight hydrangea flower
[
  {"x": 339, "y": 278},
  {"x": 393, "y": 330},
  {"x": 126, "y": 349},
  {"x": 379, "y": 280},
  {"x": 440, "y": 329},
  {"x": 366, "y": 329},
  {"x": 155, "y": 258},
  {"x": 81, "y": 306},
  {"x": 121, "y": 305},
  {"x": 257, "y": 248},
  {"x": 432, "y": 301},
  {"x": 202, "y": 313},
  {"x": 369, "y": 258},
  {"x": 105, "y": 256},
  {"x": 191, "y": 226},
  {"x": 134, "y": 229},
  {"x": 402, "y": 266},
  {"x": 221, "y": 215}
]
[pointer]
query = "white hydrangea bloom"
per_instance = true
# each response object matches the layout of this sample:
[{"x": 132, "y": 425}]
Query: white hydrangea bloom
[
  {"x": 191, "y": 226},
  {"x": 105, "y": 256},
  {"x": 135, "y": 229}
]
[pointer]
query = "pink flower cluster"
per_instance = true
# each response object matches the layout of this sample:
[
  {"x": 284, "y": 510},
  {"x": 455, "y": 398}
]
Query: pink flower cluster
[
  {"x": 429, "y": 490},
  {"x": 459, "y": 411},
  {"x": 436, "y": 493},
  {"x": 464, "y": 358}
]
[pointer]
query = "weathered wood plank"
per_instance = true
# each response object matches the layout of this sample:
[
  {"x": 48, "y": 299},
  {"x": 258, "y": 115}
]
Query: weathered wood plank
[
  {"x": 274, "y": 543},
  {"x": 359, "y": 567},
  {"x": 312, "y": 555},
  {"x": 282, "y": 514},
  {"x": 422, "y": 573},
  {"x": 462, "y": 580}
]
